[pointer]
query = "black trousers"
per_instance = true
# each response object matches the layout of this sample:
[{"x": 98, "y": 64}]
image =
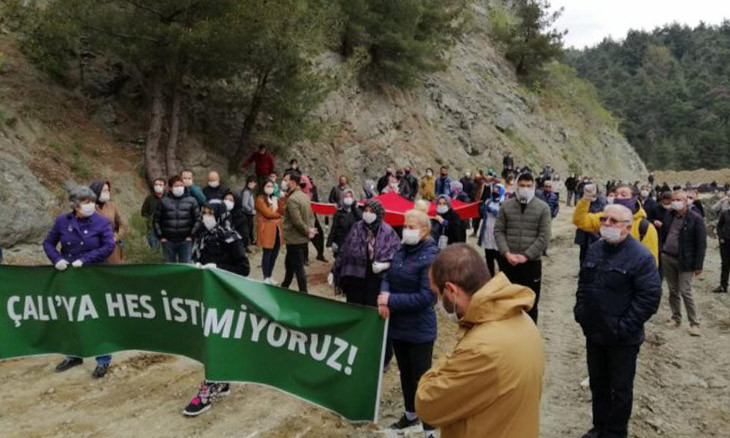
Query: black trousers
[
  {"x": 527, "y": 274},
  {"x": 491, "y": 256},
  {"x": 413, "y": 362},
  {"x": 725, "y": 256},
  {"x": 294, "y": 264},
  {"x": 611, "y": 370},
  {"x": 317, "y": 241},
  {"x": 363, "y": 291}
]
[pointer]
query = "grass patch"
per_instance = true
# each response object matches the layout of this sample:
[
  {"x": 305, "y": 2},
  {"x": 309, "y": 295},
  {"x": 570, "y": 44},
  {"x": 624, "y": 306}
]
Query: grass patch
[{"x": 136, "y": 248}]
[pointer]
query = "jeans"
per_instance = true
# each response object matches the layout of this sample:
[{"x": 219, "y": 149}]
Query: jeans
[
  {"x": 100, "y": 360},
  {"x": 268, "y": 259},
  {"x": 413, "y": 362},
  {"x": 178, "y": 252},
  {"x": 527, "y": 274},
  {"x": 725, "y": 257},
  {"x": 294, "y": 264},
  {"x": 611, "y": 369},
  {"x": 680, "y": 289},
  {"x": 152, "y": 240}
]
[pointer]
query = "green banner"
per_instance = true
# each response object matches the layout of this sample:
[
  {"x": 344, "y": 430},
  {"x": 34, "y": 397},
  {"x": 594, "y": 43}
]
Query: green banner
[{"x": 324, "y": 351}]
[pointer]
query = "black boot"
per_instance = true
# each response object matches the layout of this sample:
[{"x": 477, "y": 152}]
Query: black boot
[
  {"x": 68, "y": 363},
  {"x": 720, "y": 290}
]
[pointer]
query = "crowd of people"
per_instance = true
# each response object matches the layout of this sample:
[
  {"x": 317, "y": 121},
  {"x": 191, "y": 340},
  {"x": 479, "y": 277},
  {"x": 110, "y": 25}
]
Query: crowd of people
[{"x": 630, "y": 237}]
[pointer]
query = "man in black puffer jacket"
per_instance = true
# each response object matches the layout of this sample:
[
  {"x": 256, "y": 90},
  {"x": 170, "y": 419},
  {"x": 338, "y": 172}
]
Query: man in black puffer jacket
[
  {"x": 176, "y": 220},
  {"x": 618, "y": 291}
]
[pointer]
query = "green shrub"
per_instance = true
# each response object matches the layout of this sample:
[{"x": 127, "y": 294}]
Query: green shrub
[{"x": 136, "y": 248}]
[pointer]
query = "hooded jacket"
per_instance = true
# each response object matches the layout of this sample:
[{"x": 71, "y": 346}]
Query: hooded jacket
[
  {"x": 345, "y": 217},
  {"x": 490, "y": 385},
  {"x": 119, "y": 225},
  {"x": 591, "y": 223}
]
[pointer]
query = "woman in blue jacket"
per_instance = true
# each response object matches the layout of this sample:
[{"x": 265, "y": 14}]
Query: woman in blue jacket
[
  {"x": 406, "y": 299},
  {"x": 86, "y": 237}
]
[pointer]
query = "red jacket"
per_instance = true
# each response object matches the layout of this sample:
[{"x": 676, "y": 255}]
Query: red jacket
[{"x": 264, "y": 163}]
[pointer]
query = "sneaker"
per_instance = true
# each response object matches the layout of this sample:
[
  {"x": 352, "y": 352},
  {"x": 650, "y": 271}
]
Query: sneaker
[
  {"x": 673, "y": 324},
  {"x": 405, "y": 423},
  {"x": 720, "y": 290},
  {"x": 267, "y": 280},
  {"x": 694, "y": 330},
  {"x": 205, "y": 397},
  {"x": 68, "y": 363},
  {"x": 100, "y": 371}
]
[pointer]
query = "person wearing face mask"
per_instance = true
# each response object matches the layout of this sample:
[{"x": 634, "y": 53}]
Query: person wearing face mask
[
  {"x": 236, "y": 218},
  {"x": 407, "y": 300},
  {"x": 148, "y": 210},
  {"x": 293, "y": 166},
  {"x": 486, "y": 238},
  {"x": 619, "y": 289},
  {"x": 176, "y": 221},
  {"x": 269, "y": 228},
  {"x": 195, "y": 190},
  {"x": 656, "y": 216},
  {"x": 214, "y": 189},
  {"x": 346, "y": 216},
  {"x": 723, "y": 234},
  {"x": 107, "y": 208},
  {"x": 490, "y": 384},
  {"x": 451, "y": 226},
  {"x": 647, "y": 201},
  {"x": 642, "y": 230},
  {"x": 393, "y": 186},
  {"x": 693, "y": 200},
  {"x": 384, "y": 180},
  {"x": 522, "y": 233},
  {"x": 722, "y": 204},
  {"x": 442, "y": 186},
  {"x": 219, "y": 246},
  {"x": 570, "y": 184},
  {"x": 684, "y": 241},
  {"x": 427, "y": 186},
  {"x": 364, "y": 257},
  {"x": 86, "y": 238},
  {"x": 403, "y": 187},
  {"x": 249, "y": 209},
  {"x": 298, "y": 231}
]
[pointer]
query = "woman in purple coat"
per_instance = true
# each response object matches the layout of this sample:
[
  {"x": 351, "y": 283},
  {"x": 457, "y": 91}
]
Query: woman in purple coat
[
  {"x": 86, "y": 238},
  {"x": 365, "y": 256}
]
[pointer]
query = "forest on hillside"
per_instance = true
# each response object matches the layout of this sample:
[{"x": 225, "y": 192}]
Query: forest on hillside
[{"x": 670, "y": 89}]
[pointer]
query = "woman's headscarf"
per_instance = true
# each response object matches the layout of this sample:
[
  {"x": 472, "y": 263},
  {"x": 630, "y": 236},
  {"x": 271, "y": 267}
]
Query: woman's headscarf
[
  {"x": 379, "y": 211},
  {"x": 341, "y": 204},
  {"x": 306, "y": 185},
  {"x": 222, "y": 232}
]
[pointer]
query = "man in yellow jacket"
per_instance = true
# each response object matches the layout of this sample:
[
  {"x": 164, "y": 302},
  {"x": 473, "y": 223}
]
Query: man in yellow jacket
[
  {"x": 427, "y": 186},
  {"x": 490, "y": 385},
  {"x": 642, "y": 230}
]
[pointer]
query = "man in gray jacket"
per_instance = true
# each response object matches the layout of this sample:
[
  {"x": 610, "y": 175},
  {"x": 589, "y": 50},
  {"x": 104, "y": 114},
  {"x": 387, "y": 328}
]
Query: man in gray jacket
[
  {"x": 522, "y": 233},
  {"x": 298, "y": 230}
]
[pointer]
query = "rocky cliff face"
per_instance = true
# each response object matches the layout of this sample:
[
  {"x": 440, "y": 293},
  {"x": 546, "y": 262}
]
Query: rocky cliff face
[{"x": 465, "y": 117}]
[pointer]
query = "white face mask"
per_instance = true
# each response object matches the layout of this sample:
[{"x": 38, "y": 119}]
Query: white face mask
[
  {"x": 87, "y": 209},
  {"x": 229, "y": 205},
  {"x": 610, "y": 234},
  {"x": 284, "y": 187},
  {"x": 178, "y": 191},
  {"x": 394, "y": 186},
  {"x": 104, "y": 197},
  {"x": 525, "y": 194},
  {"x": 209, "y": 222},
  {"x": 667, "y": 206},
  {"x": 442, "y": 209},
  {"x": 214, "y": 184},
  {"x": 411, "y": 237},
  {"x": 449, "y": 316},
  {"x": 677, "y": 205},
  {"x": 348, "y": 201},
  {"x": 269, "y": 190},
  {"x": 644, "y": 194},
  {"x": 158, "y": 189},
  {"x": 369, "y": 217}
]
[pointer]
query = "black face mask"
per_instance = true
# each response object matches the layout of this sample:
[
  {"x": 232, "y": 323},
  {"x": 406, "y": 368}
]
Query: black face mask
[
  {"x": 408, "y": 172},
  {"x": 444, "y": 175}
]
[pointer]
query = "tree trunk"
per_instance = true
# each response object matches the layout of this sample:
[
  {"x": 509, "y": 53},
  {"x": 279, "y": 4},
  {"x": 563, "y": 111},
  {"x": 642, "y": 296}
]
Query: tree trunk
[
  {"x": 248, "y": 123},
  {"x": 174, "y": 126},
  {"x": 153, "y": 159}
]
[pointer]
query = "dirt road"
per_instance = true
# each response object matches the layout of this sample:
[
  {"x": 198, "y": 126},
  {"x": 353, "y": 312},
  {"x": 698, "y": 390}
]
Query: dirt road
[{"x": 682, "y": 385}]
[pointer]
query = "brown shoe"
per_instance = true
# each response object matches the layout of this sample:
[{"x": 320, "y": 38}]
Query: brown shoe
[
  {"x": 694, "y": 330},
  {"x": 672, "y": 323}
]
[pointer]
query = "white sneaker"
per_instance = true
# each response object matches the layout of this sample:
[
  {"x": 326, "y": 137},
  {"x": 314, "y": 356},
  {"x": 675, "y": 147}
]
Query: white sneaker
[
  {"x": 267, "y": 280},
  {"x": 586, "y": 382}
]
